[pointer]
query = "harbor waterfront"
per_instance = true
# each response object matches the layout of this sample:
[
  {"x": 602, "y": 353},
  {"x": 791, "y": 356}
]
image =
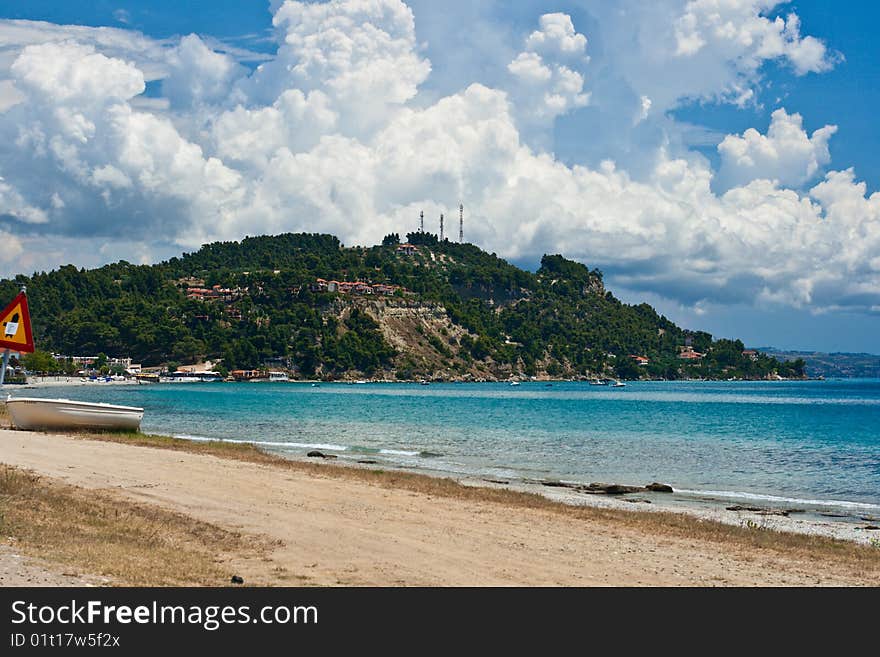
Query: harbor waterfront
[{"x": 812, "y": 446}]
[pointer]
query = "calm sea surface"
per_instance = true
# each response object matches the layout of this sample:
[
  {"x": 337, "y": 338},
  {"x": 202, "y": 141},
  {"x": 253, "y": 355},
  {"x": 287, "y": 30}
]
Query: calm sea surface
[{"x": 814, "y": 440}]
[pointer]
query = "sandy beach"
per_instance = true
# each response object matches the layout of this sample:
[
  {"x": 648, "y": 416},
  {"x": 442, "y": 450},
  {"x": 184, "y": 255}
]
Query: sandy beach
[{"x": 326, "y": 528}]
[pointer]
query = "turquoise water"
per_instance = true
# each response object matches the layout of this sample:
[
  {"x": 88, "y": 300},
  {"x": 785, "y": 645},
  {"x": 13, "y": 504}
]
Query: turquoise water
[{"x": 807, "y": 440}]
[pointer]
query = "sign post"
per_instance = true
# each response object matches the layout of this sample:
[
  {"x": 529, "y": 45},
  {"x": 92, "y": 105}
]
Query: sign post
[
  {"x": 15, "y": 330},
  {"x": 5, "y": 364}
]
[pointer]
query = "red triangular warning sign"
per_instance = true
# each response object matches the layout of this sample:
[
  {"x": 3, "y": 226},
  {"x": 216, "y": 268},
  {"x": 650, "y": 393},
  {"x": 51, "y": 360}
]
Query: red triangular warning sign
[{"x": 15, "y": 326}]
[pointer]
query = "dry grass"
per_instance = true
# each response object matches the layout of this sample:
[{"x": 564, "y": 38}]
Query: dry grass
[
  {"x": 861, "y": 560},
  {"x": 96, "y": 533}
]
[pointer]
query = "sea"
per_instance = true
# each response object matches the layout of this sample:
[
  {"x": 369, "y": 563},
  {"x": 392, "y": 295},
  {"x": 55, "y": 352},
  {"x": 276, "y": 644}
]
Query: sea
[{"x": 782, "y": 443}]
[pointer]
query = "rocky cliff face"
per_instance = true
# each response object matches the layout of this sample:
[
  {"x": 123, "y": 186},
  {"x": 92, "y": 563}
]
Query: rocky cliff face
[{"x": 429, "y": 345}]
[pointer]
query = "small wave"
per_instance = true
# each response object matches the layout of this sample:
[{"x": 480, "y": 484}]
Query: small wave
[
  {"x": 775, "y": 498},
  {"x": 357, "y": 449},
  {"x": 360, "y": 449},
  {"x": 265, "y": 443}
]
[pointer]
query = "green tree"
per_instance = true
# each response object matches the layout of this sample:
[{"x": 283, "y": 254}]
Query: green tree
[
  {"x": 626, "y": 368},
  {"x": 40, "y": 361},
  {"x": 188, "y": 349}
]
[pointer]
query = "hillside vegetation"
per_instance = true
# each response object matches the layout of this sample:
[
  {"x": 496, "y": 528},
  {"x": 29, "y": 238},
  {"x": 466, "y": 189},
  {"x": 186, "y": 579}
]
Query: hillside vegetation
[{"x": 446, "y": 310}]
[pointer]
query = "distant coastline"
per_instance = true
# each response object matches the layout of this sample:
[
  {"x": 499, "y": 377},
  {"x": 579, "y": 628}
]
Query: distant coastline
[
  {"x": 34, "y": 381},
  {"x": 831, "y": 365}
]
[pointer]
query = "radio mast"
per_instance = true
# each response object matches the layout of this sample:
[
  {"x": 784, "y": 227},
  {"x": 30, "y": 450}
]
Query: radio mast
[{"x": 461, "y": 223}]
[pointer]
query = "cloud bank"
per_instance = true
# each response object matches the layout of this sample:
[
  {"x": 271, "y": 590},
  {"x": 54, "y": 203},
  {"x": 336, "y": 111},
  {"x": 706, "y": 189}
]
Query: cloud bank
[{"x": 332, "y": 134}]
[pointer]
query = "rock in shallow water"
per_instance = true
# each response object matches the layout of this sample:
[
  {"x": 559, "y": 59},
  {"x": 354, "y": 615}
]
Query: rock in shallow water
[
  {"x": 315, "y": 454},
  {"x": 764, "y": 511},
  {"x": 619, "y": 489},
  {"x": 659, "y": 488},
  {"x": 597, "y": 488}
]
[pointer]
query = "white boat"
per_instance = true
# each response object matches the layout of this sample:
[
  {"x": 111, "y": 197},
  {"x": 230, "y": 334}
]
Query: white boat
[
  {"x": 514, "y": 383},
  {"x": 191, "y": 377},
  {"x": 35, "y": 413},
  {"x": 617, "y": 384}
]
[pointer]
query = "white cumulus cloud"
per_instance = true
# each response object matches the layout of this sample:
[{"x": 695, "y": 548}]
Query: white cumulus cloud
[
  {"x": 332, "y": 133},
  {"x": 786, "y": 153},
  {"x": 197, "y": 74},
  {"x": 360, "y": 53},
  {"x": 741, "y": 27},
  {"x": 557, "y": 35},
  {"x": 544, "y": 87}
]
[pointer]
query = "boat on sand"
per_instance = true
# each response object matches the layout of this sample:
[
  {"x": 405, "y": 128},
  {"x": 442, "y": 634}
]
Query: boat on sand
[{"x": 35, "y": 413}]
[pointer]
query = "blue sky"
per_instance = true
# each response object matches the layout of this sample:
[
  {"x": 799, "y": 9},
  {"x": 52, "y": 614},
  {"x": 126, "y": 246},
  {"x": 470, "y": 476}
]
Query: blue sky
[
  {"x": 846, "y": 95},
  {"x": 158, "y": 18},
  {"x": 793, "y": 263}
]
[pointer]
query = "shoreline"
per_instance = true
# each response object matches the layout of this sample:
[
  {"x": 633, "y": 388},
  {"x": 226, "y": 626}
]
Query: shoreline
[
  {"x": 838, "y": 519},
  {"x": 325, "y": 524},
  {"x": 790, "y": 518},
  {"x": 65, "y": 381}
]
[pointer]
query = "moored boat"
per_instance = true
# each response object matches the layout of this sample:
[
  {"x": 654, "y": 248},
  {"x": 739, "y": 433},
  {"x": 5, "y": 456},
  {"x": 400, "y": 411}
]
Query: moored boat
[{"x": 36, "y": 413}]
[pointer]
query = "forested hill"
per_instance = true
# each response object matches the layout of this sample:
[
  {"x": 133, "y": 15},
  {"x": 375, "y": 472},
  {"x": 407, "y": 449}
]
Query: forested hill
[{"x": 424, "y": 309}]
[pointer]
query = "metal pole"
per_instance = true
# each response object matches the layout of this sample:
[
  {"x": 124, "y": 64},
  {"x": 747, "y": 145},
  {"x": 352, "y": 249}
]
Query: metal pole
[
  {"x": 461, "y": 223},
  {"x": 6, "y": 353},
  {"x": 5, "y": 363}
]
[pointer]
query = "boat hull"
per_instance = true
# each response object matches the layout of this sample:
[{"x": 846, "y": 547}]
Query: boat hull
[{"x": 34, "y": 413}]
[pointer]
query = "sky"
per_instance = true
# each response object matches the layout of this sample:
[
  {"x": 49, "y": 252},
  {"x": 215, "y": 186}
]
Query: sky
[{"x": 716, "y": 158}]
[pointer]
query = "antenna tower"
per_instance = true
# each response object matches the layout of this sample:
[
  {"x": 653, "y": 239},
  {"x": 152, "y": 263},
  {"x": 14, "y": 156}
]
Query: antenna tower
[
  {"x": 461, "y": 223},
  {"x": 441, "y": 226},
  {"x": 422, "y": 221}
]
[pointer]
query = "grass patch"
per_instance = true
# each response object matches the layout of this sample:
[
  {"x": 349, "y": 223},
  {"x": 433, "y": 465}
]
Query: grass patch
[
  {"x": 96, "y": 533},
  {"x": 860, "y": 560}
]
